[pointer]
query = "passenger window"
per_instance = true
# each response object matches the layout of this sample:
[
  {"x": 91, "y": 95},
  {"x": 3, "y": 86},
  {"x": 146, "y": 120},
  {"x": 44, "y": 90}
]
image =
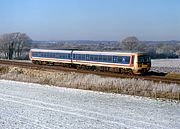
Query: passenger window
[
  {"x": 87, "y": 57},
  {"x": 115, "y": 59}
]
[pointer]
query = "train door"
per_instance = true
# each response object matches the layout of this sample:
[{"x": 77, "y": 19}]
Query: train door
[
  {"x": 135, "y": 62},
  {"x": 132, "y": 61}
]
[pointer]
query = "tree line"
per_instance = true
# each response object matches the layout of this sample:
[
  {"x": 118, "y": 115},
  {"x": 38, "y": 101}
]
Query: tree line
[
  {"x": 158, "y": 50},
  {"x": 16, "y": 45}
]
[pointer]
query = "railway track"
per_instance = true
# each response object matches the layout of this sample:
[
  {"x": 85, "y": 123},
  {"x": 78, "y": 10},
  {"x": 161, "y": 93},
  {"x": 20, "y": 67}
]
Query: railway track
[{"x": 156, "y": 77}]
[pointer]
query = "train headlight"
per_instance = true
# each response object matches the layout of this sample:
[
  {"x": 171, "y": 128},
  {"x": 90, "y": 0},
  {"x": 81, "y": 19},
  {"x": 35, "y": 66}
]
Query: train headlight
[{"x": 139, "y": 65}]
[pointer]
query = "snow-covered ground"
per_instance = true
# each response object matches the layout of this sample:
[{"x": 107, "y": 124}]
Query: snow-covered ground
[
  {"x": 166, "y": 65},
  {"x": 33, "y": 106}
]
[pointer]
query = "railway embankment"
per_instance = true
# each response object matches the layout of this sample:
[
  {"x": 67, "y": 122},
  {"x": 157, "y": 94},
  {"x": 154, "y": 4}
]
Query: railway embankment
[{"x": 137, "y": 87}]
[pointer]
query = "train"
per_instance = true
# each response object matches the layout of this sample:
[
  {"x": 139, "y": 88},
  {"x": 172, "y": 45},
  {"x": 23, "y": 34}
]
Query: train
[{"x": 119, "y": 62}]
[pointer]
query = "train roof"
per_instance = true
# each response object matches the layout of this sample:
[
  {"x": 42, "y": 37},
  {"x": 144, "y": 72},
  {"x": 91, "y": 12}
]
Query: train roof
[
  {"x": 87, "y": 52},
  {"x": 48, "y": 50},
  {"x": 108, "y": 52}
]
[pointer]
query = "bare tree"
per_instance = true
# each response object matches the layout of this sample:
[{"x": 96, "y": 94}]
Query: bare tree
[
  {"x": 13, "y": 44},
  {"x": 130, "y": 43}
]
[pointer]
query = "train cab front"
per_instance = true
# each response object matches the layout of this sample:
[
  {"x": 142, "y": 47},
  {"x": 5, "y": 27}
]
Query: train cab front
[{"x": 143, "y": 64}]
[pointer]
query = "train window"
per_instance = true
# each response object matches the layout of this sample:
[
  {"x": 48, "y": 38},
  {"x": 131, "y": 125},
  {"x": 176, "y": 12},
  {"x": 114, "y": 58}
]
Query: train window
[
  {"x": 69, "y": 56},
  {"x": 95, "y": 58},
  {"x": 144, "y": 59},
  {"x": 109, "y": 59},
  {"x": 115, "y": 59},
  {"x": 48, "y": 55},
  {"x": 52, "y": 55},
  {"x": 61, "y": 56},
  {"x": 34, "y": 54},
  {"x": 104, "y": 58},
  {"x": 77, "y": 56},
  {"x": 100, "y": 58},
  {"x": 87, "y": 57},
  {"x": 125, "y": 59},
  {"x": 90, "y": 57},
  {"x": 64, "y": 56},
  {"x": 74, "y": 56},
  {"x": 83, "y": 57},
  {"x": 39, "y": 54},
  {"x": 42, "y": 54},
  {"x": 119, "y": 59},
  {"x": 55, "y": 55}
]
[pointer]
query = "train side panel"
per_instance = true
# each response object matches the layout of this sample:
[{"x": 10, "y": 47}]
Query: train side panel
[
  {"x": 59, "y": 56},
  {"x": 135, "y": 62}
]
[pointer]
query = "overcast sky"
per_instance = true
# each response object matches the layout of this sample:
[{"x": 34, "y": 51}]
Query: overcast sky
[{"x": 92, "y": 19}]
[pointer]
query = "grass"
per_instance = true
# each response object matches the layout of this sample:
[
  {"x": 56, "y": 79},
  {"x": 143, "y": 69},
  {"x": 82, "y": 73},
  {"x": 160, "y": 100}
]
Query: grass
[
  {"x": 92, "y": 82},
  {"x": 173, "y": 75}
]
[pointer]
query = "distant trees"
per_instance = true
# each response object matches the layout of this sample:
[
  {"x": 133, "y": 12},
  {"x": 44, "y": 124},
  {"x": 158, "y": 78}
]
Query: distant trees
[
  {"x": 155, "y": 49},
  {"x": 16, "y": 46},
  {"x": 133, "y": 44},
  {"x": 130, "y": 43},
  {"x": 167, "y": 50},
  {"x": 13, "y": 45}
]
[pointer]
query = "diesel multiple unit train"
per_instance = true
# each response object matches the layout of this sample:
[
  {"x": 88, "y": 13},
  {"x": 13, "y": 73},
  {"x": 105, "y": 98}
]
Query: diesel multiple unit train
[{"x": 121, "y": 62}]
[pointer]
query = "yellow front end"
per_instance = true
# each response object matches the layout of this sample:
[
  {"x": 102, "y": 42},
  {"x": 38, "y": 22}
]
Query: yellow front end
[{"x": 142, "y": 64}]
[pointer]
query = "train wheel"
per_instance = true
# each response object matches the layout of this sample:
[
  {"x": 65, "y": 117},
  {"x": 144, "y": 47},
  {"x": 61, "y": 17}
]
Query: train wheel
[
  {"x": 130, "y": 72},
  {"x": 33, "y": 61}
]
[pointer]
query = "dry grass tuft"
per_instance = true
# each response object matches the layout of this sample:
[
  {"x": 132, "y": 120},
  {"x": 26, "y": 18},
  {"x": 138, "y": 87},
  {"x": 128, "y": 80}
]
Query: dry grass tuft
[{"x": 173, "y": 75}]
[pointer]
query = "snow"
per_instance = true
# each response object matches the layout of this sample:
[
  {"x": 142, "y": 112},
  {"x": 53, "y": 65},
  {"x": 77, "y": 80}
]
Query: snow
[
  {"x": 27, "y": 105},
  {"x": 166, "y": 65}
]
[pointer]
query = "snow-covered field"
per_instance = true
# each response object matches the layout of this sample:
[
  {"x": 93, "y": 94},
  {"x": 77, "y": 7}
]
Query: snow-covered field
[
  {"x": 33, "y": 106},
  {"x": 166, "y": 65}
]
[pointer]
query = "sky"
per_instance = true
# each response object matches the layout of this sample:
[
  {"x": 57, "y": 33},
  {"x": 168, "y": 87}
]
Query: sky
[{"x": 91, "y": 19}]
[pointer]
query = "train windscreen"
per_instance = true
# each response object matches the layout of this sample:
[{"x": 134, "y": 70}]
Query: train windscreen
[{"x": 144, "y": 59}]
